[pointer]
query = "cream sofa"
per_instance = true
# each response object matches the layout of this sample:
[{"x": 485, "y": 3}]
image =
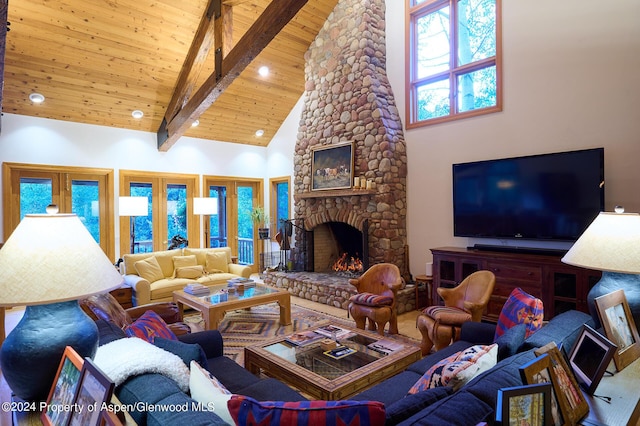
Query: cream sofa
[{"x": 154, "y": 276}]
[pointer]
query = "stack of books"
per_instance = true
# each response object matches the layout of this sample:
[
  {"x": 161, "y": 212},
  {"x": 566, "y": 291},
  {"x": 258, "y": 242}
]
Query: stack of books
[
  {"x": 304, "y": 338},
  {"x": 334, "y": 331},
  {"x": 247, "y": 282},
  {"x": 196, "y": 289}
]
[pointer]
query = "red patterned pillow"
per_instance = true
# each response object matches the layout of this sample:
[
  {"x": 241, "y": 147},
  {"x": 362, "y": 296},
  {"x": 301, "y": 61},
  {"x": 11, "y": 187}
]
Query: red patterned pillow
[
  {"x": 247, "y": 411},
  {"x": 520, "y": 308},
  {"x": 370, "y": 299},
  {"x": 458, "y": 369},
  {"x": 149, "y": 326}
]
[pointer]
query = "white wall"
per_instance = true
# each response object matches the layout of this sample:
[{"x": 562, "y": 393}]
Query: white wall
[
  {"x": 42, "y": 141},
  {"x": 571, "y": 82}
]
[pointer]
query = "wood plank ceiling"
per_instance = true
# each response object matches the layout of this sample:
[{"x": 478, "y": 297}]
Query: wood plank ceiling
[{"x": 96, "y": 61}]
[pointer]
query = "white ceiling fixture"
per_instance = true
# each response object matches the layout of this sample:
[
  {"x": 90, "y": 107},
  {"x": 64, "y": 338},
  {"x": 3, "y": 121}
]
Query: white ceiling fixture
[
  {"x": 36, "y": 98},
  {"x": 195, "y": 123},
  {"x": 263, "y": 71},
  {"x": 137, "y": 114},
  {"x": 259, "y": 133}
]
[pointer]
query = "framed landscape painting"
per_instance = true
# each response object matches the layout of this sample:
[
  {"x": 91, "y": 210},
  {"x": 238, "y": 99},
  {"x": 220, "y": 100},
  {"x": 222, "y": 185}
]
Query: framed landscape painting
[
  {"x": 524, "y": 405},
  {"x": 63, "y": 390},
  {"x": 332, "y": 167}
]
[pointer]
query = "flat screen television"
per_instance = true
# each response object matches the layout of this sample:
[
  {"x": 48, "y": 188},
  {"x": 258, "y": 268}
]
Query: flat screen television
[{"x": 540, "y": 197}]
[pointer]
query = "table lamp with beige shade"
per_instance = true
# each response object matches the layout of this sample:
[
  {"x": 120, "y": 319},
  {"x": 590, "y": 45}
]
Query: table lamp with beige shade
[
  {"x": 611, "y": 244},
  {"x": 47, "y": 264},
  {"x": 205, "y": 206}
]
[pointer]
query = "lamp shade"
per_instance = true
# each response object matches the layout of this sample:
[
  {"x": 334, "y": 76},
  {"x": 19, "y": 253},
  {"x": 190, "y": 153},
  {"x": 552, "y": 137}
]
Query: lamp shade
[
  {"x": 53, "y": 258},
  {"x": 611, "y": 243},
  {"x": 205, "y": 205},
  {"x": 133, "y": 206}
]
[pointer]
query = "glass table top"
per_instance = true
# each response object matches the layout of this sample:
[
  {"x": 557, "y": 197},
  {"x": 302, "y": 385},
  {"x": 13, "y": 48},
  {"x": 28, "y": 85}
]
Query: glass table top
[
  {"x": 313, "y": 358},
  {"x": 222, "y": 293}
]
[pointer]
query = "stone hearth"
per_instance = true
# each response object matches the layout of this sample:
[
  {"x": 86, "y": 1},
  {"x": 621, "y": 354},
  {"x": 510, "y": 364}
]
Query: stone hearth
[
  {"x": 329, "y": 288},
  {"x": 348, "y": 98}
]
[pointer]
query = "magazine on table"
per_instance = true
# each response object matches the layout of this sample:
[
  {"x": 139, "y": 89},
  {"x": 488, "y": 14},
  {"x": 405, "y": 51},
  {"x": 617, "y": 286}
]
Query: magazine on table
[
  {"x": 303, "y": 338},
  {"x": 385, "y": 346},
  {"x": 329, "y": 330}
]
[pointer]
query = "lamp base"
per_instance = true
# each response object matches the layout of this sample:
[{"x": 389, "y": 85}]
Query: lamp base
[
  {"x": 31, "y": 353},
  {"x": 612, "y": 281}
]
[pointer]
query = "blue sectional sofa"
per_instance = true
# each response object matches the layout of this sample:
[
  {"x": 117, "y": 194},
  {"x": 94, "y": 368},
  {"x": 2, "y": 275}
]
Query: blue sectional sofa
[{"x": 474, "y": 403}]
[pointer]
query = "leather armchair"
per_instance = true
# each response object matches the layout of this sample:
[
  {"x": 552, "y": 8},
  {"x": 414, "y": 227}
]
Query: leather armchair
[
  {"x": 106, "y": 307},
  {"x": 440, "y": 325},
  {"x": 376, "y": 298}
]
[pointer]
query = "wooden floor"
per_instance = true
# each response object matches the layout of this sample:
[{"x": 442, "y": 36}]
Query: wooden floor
[{"x": 406, "y": 326}]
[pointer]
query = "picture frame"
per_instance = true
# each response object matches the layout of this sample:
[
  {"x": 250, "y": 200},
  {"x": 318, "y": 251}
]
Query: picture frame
[
  {"x": 619, "y": 327},
  {"x": 332, "y": 166},
  {"x": 529, "y": 404},
  {"x": 590, "y": 357},
  {"x": 539, "y": 371},
  {"x": 63, "y": 389},
  {"x": 94, "y": 390},
  {"x": 573, "y": 404}
]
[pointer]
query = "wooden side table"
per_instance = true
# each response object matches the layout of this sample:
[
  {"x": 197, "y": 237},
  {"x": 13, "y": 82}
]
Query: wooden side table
[
  {"x": 423, "y": 285},
  {"x": 124, "y": 296}
]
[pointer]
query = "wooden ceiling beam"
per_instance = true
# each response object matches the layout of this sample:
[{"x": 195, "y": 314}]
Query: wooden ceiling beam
[{"x": 274, "y": 18}]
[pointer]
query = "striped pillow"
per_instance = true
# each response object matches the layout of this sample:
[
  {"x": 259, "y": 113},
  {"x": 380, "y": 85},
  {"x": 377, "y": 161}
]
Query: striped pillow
[
  {"x": 248, "y": 411},
  {"x": 370, "y": 299}
]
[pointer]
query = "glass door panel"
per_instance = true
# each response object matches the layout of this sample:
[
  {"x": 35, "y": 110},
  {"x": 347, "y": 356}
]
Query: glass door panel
[
  {"x": 176, "y": 213},
  {"x": 35, "y": 195},
  {"x": 245, "y": 225},
  {"x": 142, "y": 227},
  {"x": 218, "y": 222},
  {"x": 85, "y": 203}
]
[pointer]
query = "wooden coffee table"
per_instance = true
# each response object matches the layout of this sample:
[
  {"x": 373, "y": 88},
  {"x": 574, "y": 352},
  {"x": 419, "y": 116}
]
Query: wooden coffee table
[
  {"x": 214, "y": 305},
  {"x": 309, "y": 370}
]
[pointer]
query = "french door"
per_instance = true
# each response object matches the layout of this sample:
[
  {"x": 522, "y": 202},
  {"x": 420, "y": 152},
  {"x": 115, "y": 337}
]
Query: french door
[
  {"x": 84, "y": 192},
  {"x": 231, "y": 226}
]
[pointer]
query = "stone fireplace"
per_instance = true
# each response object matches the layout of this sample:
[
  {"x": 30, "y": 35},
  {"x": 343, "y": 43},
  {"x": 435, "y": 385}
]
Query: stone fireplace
[
  {"x": 338, "y": 242},
  {"x": 348, "y": 98}
]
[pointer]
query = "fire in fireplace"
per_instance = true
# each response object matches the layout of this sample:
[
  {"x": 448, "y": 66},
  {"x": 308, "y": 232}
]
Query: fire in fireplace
[{"x": 348, "y": 263}]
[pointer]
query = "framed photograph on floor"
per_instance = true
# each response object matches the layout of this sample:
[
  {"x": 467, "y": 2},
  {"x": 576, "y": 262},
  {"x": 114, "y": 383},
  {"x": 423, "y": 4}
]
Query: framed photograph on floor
[
  {"x": 332, "y": 166},
  {"x": 590, "y": 356},
  {"x": 93, "y": 391},
  {"x": 572, "y": 402},
  {"x": 619, "y": 327},
  {"x": 63, "y": 390},
  {"x": 539, "y": 371},
  {"x": 524, "y": 405}
]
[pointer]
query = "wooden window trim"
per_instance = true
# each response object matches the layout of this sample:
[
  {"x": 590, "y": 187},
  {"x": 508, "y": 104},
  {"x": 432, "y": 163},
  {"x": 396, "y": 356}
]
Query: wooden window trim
[{"x": 414, "y": 12}]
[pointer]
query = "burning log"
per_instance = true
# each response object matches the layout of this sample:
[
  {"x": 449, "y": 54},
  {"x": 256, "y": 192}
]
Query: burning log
[{"x": 347, "y": 263}]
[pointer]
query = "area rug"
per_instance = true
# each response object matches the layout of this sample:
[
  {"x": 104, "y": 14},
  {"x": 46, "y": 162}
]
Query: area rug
[{"x": 248, "y": 327}]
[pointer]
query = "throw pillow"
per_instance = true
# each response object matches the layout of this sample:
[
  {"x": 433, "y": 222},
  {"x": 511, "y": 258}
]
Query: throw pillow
[
  {"x": 458, "y": 369},
  {"x": 208, "y": 391},
  {"x": 149, "y": 326},
  {"x": 216, "y": 261},
  {"x": 509, "y": 343},
  {"x": 149, "y": 269},
  {"x": 520, "y": 307},
  {"x": 183, "y": 261},
  {"x": 248, "y": 411},
  {"x": 370, "y": 299},
  {"x": 186, "y": 351},
  {"x": 191, "y": 272}
]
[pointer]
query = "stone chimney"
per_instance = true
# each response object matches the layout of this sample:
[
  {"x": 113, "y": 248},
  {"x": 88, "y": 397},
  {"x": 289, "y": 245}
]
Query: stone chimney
[{"x": 348, "y": 98}]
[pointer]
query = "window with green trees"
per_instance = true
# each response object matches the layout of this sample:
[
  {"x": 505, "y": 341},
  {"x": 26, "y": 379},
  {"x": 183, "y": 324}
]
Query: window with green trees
[{"x": 454, "y": 68}]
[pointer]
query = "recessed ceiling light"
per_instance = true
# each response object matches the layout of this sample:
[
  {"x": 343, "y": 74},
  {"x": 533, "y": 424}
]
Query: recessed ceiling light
[
  {"x": 263, "y": 70},
  {"x": 36, "y": 98},
  {"x": 259, "y": 133},
  {"x": 195, "y": 123},
  {"x": 137, "y": 114}
]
